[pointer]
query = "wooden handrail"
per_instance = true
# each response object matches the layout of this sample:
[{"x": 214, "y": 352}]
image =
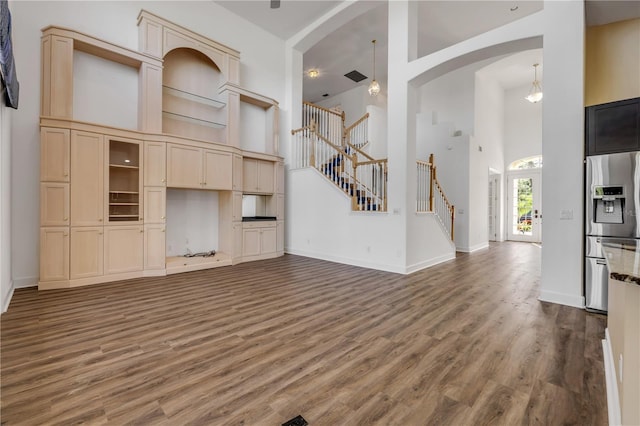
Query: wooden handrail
[
  {"x": 365, "y": 163},
  {"x": 424, "y": 163},
  {"x": 359, "y": 151},
  {"x": 360, "y": 120},
  {"x": 294, "y": 131},
  {"x": 449, "y": 205},
  {"x": 341, "y": 114}
]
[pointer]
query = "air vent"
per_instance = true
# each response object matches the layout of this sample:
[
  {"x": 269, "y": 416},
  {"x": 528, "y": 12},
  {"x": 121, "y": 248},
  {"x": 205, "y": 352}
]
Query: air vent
[
  {"x": 355, "y": 76},
  {"x": 296, "y": 421}
]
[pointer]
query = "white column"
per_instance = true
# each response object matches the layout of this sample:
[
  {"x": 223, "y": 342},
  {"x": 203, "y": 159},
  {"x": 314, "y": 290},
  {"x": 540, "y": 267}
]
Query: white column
[
  {"x": 6, "y": 285},
  {"x": 562, "y": 150}
]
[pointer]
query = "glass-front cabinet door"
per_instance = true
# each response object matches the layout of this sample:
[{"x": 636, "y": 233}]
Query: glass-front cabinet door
[{"x": 124, "y": 196}]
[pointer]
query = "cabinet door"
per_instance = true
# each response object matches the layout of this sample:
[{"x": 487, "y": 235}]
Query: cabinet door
[
  {"x": 87, "y": 188},
  {"x": 217, "y": 169},
  {"x": 237, "y": 240},
  {"x": 279, "y": 206},
  {"x": 280, "y": 178},
  {"x": 155, "y": 164},
  {"x": 54, "y": 204},
  {"x": 250, "y": 175},
  {"x": 154, "y": 247},
  {"x": 124, "y": 169},
  {"x": 155, "y": 201},
  {"x": 55, "y": 145},
  {"x": 54, "y": 254},
  {"x": 268, "y": 240},
  {"x": 266, "y": 177},
  {"x": 280, "y": 237},
  {"x": 87, "y": 248},
  {"x": 236, "y": 208},
  {"x": 184, "y": 166},
  {"x": 237, "y": 172},
  {"x": 124, "y": 249},
  {"x": 251, "y": 242}
]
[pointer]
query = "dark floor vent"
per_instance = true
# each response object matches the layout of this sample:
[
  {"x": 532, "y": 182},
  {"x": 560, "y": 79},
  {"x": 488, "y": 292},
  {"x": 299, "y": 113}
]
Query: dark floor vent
[
  {"x": 296, "y": 421},
  {"x": 355, "y": 76}
]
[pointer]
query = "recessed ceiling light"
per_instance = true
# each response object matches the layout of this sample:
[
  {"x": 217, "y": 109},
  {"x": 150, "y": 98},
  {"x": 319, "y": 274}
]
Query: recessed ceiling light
[
  {"x": 325, "y": 95},
  {"x": 313, "y": 73}
]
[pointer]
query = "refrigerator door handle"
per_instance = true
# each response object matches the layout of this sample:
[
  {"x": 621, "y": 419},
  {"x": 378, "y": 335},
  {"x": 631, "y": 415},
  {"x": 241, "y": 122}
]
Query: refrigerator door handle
[{"x": 601, "y": 262}]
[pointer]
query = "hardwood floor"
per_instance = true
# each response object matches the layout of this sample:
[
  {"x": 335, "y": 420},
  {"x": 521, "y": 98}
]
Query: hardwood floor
[{"x": 463, "y": 343}]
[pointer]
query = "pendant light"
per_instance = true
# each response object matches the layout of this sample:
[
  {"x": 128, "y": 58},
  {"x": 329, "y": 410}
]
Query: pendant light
[
  {"x": 535, "y": 94},
  {"x": 374, "y": 87}
]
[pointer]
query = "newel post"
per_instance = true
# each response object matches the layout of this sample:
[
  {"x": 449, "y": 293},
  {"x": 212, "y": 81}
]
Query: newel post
[
  {"x": 312, "y": 154},
  {"x": 453, "y": 215}
]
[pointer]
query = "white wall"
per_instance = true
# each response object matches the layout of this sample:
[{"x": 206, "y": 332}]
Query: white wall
[
  {"x": 262, "y": 70},
  {"x": 377, "y": 131},
  {"x": 353, "y": 102},
  {"x": 192, "y": 221},
  {"x": 253, "y": 127},
  {"x": 6, "y": 284},
  {"x": 562, "y": 151},
  {"x": 522, "y": 125}
]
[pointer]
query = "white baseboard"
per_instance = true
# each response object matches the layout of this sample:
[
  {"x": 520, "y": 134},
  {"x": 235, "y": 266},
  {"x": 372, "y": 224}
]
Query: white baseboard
[
  {"x": 613, "y": 398},
  {"x": 25, "y": 282},
  {"x": 561, "y": 298},
  {"x": 7, "y": 298},
  {"x": 473, "y": 248},
  {"x": 430, "y": 262},
  {"x": 347, "y": 261}
]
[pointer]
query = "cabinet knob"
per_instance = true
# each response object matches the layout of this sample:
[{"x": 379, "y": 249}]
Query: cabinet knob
[
  {"x": 163, "y": 180},
  {"x": 140, "y": 219},
  {"x": 162, "y": 229},
  {"x": 66, "y": 174},
  {"x": 65, "y": 234},
  {"x": 163, "y": 217},
  {"x": 99, "y": 233},
  {"x": 142, "y": 230},
  {"x": 66, "y": 219},
  {"x": 100, "y": 220}
]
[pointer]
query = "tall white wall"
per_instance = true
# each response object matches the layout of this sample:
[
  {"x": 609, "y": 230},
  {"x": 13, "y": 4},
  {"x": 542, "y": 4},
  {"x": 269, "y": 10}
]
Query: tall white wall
[
  {"x": 562, "y": 150},
  {"x": 6, "y": 284},
  {"x": 522, "y": 125},
  {"x": 262, "y": 70}
]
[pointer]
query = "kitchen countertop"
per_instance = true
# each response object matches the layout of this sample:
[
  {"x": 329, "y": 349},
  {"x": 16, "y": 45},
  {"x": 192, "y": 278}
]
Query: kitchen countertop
[{"x": 623, "y": 259}]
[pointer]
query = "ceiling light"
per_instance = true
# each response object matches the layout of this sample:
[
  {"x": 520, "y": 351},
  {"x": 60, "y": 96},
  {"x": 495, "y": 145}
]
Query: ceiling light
[
  {"x": 535, "y": 94},
  {"x": 313, "y": 73},
  {"x": 374, "y": 87}
]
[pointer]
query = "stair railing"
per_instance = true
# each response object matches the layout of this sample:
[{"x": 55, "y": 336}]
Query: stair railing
[
  {"x": 360, "y": 176},
  {"x": 430, "y": 195},
  {"x": 329, "y": 123},
  {"x": 358, "y": 133}
]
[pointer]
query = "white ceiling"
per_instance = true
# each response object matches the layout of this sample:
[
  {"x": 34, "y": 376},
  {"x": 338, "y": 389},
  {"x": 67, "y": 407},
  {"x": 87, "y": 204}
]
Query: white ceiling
[{"x": 441, "y": 23}]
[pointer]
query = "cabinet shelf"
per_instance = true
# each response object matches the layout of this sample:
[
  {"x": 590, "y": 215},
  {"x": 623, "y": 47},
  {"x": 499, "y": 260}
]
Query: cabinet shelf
[
  {"x": 123, "y": 204},
  {"x": 192, "y": 120},
  {"x": 123, "y": 215},
  {"x": 192, "y": 97},
  {"x": 123, "y": 192},
  {"x": 120, "y": 166}
]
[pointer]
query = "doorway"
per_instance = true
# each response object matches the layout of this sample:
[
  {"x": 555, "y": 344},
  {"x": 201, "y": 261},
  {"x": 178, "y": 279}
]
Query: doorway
[
  {"x": 524, "y": 214},
  {"x": 493, "y": 202}
]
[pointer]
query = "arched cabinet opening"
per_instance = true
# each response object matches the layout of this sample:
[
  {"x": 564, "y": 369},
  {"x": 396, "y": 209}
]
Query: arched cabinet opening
[{"x": 191, "y": 104}]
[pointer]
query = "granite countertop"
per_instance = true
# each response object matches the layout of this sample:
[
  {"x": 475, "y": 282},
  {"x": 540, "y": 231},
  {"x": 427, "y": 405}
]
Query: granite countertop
[{"x": 623, "y": 259}]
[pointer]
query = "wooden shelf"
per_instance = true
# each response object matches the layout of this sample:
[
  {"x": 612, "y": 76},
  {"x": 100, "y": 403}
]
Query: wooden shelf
[
  {"x": 177, "y": 264},
  {"x": 192, "y": 120},
  {"x": 123, "y": 192},
  {"x": 119, "y": 166},
  {"x": 192, "y": 97}
]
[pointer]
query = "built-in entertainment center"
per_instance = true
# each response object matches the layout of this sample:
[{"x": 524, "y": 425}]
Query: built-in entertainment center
[{"x": 146, "y": 157}]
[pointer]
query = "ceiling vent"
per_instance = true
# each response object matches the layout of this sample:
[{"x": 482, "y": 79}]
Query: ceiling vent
[{"x": 355, "y": 76}]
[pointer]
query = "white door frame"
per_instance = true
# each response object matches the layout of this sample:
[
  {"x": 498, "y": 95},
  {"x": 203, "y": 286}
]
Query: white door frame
[
  {"x": 494, "y": 211},
  {"x": 536, "y": 210}
]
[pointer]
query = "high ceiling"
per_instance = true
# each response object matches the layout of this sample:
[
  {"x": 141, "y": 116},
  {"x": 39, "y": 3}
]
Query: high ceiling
[{"x": 442, "y": 23}]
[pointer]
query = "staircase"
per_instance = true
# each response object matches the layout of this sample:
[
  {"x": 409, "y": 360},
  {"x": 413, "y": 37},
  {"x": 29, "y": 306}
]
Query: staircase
[{"x": 335, "y": 151}]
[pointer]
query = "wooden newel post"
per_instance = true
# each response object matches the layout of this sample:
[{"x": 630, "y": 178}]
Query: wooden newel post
[
  {"x": 432, "y": 178},
  {"x": 354, "y": 196},
  {"x": 453, "y": 215},
  {"x": 312, "y": 154}
]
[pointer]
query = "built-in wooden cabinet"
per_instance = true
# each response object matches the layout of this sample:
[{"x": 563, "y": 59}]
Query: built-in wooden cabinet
[
  {"x": 198, "y": 168},
  {"x": 155, "y": 164},
  {"x": 124, "y": 179},
  {"x": 258, "y": 176},
  {"x": 123, "y": 249},
  {"x": 103, "y": 189},
  {"x": 259, "y": 240},
  {"x": 87, "y": 252},
  {"x": 54, "y": 254}
]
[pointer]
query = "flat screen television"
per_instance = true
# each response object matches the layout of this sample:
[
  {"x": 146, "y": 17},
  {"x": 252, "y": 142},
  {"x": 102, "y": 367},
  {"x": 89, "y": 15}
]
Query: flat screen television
[{"x": 613, "y": 127}]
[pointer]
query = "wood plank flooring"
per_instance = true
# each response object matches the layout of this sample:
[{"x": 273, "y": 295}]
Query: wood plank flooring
[{"x": 462, "y": 343}]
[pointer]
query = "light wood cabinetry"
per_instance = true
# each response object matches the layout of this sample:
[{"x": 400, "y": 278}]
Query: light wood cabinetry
[
  {"x": 155, "y": 164},
  {"x": 124, "y": 181},
  {"x": 280, "y": 237},
  {"x": 258, "y": 176},
  {"x": 87, "y": 250},
  {"x": 259, "y": 240},
  {"x": 55, "y": 145},
  {"x": 87, "y": 186},
  {"x": 237, "y": 172},
  {"x": 54, "y": 207},
  {"x": 155, "y": 201},
  {"x": 154, "y": 247},
  {"x": 123, "y": 249},
  {"x": 54, "y": 252},
  {"x": 194, "y": 167}
]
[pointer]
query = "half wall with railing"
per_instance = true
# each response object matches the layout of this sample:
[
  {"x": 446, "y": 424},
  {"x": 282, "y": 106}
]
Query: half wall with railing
[{"x": 430, "y": 196}]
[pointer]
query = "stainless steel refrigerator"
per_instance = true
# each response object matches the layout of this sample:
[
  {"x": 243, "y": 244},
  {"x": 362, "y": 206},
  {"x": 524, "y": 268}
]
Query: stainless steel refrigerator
[{"x": 612, "y": 200}]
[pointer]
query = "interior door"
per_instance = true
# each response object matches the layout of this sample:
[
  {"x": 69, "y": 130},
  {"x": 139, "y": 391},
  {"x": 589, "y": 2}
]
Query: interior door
[{"x": 524, "y": 206}]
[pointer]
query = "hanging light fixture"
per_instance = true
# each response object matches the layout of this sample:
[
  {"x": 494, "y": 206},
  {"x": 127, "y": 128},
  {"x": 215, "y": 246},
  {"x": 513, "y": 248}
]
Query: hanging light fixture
[
  {"x": 374, "y": 87},
  {"x": 535, "y": 94}
]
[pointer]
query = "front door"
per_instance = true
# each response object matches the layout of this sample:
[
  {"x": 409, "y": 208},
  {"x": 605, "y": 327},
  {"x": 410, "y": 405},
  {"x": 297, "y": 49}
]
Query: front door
[{"x": 525, "y": 210}]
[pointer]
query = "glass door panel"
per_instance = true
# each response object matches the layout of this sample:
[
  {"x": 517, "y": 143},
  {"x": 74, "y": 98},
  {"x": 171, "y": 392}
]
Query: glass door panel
[{"x": 525, "y": 217}]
